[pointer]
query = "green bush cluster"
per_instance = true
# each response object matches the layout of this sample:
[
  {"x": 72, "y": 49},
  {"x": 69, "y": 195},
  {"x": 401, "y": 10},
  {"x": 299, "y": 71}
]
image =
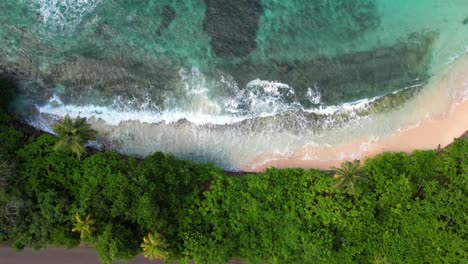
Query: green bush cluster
[
  {"x": 126, "y": 198},
  {"x": 409, "y": 208},
  {"x": 10, "y": 141}
]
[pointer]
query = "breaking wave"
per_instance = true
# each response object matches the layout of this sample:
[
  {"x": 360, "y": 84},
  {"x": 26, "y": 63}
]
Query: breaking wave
[
  {"x": 259, "y": 99},
  {"x": 63, "y": 15}
]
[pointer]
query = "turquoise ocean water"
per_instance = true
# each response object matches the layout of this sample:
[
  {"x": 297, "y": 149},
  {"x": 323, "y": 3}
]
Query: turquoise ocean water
[{"x": 226, "y": 81}]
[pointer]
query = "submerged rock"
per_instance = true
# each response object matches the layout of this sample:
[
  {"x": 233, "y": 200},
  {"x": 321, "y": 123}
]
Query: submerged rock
[
  {"x": 343, "y": 78},
  {"x": 232, "y": 26},
  {"x": 168, "y": 13},
  {"x": 347, "y": 77}
]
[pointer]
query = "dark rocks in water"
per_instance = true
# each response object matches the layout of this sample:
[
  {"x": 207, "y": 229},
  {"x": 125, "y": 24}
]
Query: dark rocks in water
[
  {"x": 338, "y": 79},
  {"x": 465, "y": 21},
  {"x": 232, "y": 26},
  {"x": 127, "y": 78},
  {"x": 26, "y": 74},
  {"x": 347, "y": 77},
  {"x": 168, "y": 14},
  {"x": 90, "y": 80}
]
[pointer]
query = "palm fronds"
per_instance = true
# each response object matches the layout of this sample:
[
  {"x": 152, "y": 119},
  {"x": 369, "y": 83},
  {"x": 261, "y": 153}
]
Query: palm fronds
[
  {"x": 154, "y": 247},
  {"x": 73, "y": 134},
  {"x": 84, "y": 226},
  {"x": 348, "y": 176}
]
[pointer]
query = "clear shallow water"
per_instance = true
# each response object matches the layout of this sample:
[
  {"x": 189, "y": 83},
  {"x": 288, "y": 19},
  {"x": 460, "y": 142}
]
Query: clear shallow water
[{"x": 225, "y": 81}]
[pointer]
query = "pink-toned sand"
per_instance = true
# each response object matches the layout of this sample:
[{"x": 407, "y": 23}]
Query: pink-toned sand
[{"x": 449, "y": 119}]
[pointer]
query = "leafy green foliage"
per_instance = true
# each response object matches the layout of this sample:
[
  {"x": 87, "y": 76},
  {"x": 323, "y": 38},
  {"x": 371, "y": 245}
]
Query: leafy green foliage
[
  {"x": 410, "y": 209},
  {"x": 116, "y": 242},
  {"x": 169, "y": 187},
  {"x": 46, "y": 188},
  {"x": 73, "y": 134},
  {"x": 12, "y": 140},
  {"x": 8, "y": 205},
  {"x": 281, "y": 216},
  {"x": 126, "y": 197}
]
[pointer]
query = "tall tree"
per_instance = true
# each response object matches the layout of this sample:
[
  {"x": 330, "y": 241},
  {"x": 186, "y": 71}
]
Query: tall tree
[
  {"x": 73, "y": 134},
  {"x": 347, "y": 176},
  {"x": 84, "y": 226},
  {"x": 154, "y": 247}
]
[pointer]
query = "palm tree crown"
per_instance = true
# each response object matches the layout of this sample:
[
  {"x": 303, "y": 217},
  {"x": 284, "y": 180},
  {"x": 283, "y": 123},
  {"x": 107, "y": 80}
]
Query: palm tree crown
[
  {"x": 84, "y": 227},
  {"x": 154, "y": 247},
  {"x": 73, "y": 134},
  {"x": 348, "y": 176}
]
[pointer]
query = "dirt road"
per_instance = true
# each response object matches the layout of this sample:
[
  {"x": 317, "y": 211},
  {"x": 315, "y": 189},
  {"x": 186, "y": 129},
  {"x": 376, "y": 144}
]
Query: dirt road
[{"x": 57, "y": 256}]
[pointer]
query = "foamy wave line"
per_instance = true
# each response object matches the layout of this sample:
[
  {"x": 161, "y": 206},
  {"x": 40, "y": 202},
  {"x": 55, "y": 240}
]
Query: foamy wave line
[
  {"x": 115, "y": 116},
  {"x": 355, "y": 106}
]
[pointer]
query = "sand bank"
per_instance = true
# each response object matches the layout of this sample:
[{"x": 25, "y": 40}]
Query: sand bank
[{"x": 443, "y": 113}]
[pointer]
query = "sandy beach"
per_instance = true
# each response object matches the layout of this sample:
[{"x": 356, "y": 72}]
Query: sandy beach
[{"x": 446, "y": 119}]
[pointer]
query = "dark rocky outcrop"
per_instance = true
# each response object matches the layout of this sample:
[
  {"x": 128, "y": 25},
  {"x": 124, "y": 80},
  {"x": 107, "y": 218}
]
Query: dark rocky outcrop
[
  {"x": 353, "y": 75},
  {"x": 168, "y": 14},
  {"x": 232, "y": 26},
  {"x": 124, "y": 77},
  {"x": 87, "y": 78}
]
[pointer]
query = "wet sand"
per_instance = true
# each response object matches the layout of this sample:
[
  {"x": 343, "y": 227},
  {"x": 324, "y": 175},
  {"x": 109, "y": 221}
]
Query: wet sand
[{"x": 446, "y": 119}]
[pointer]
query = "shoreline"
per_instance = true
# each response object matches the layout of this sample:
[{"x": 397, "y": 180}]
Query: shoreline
[{"x": 437, "y": 130}]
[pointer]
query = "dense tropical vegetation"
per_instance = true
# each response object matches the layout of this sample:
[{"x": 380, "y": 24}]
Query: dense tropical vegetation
[{"x": 409, "y": 209}]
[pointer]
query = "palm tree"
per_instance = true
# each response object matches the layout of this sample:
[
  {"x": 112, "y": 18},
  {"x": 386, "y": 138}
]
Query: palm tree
[
  {"x": 348, "y": 176},
  {"x": 154, "y": 247},
  {"x": 84, "y": 227},
  {"x": 73, "y": 134}
]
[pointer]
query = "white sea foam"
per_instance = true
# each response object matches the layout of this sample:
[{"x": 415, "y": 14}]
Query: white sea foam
[
  {"x": 344, "y": 108},
  {"x": 64, "y": 15},
  {"x": 115, "y": 115},
  {"x": 314, "y": 95},
  {"x": 201, "y": 111},
  {"x": 39, "y": 122},
  {"x": 260, "y": 99},
  {"x": 193, "y": 81},
  {"x": 353, "y": 107}
]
